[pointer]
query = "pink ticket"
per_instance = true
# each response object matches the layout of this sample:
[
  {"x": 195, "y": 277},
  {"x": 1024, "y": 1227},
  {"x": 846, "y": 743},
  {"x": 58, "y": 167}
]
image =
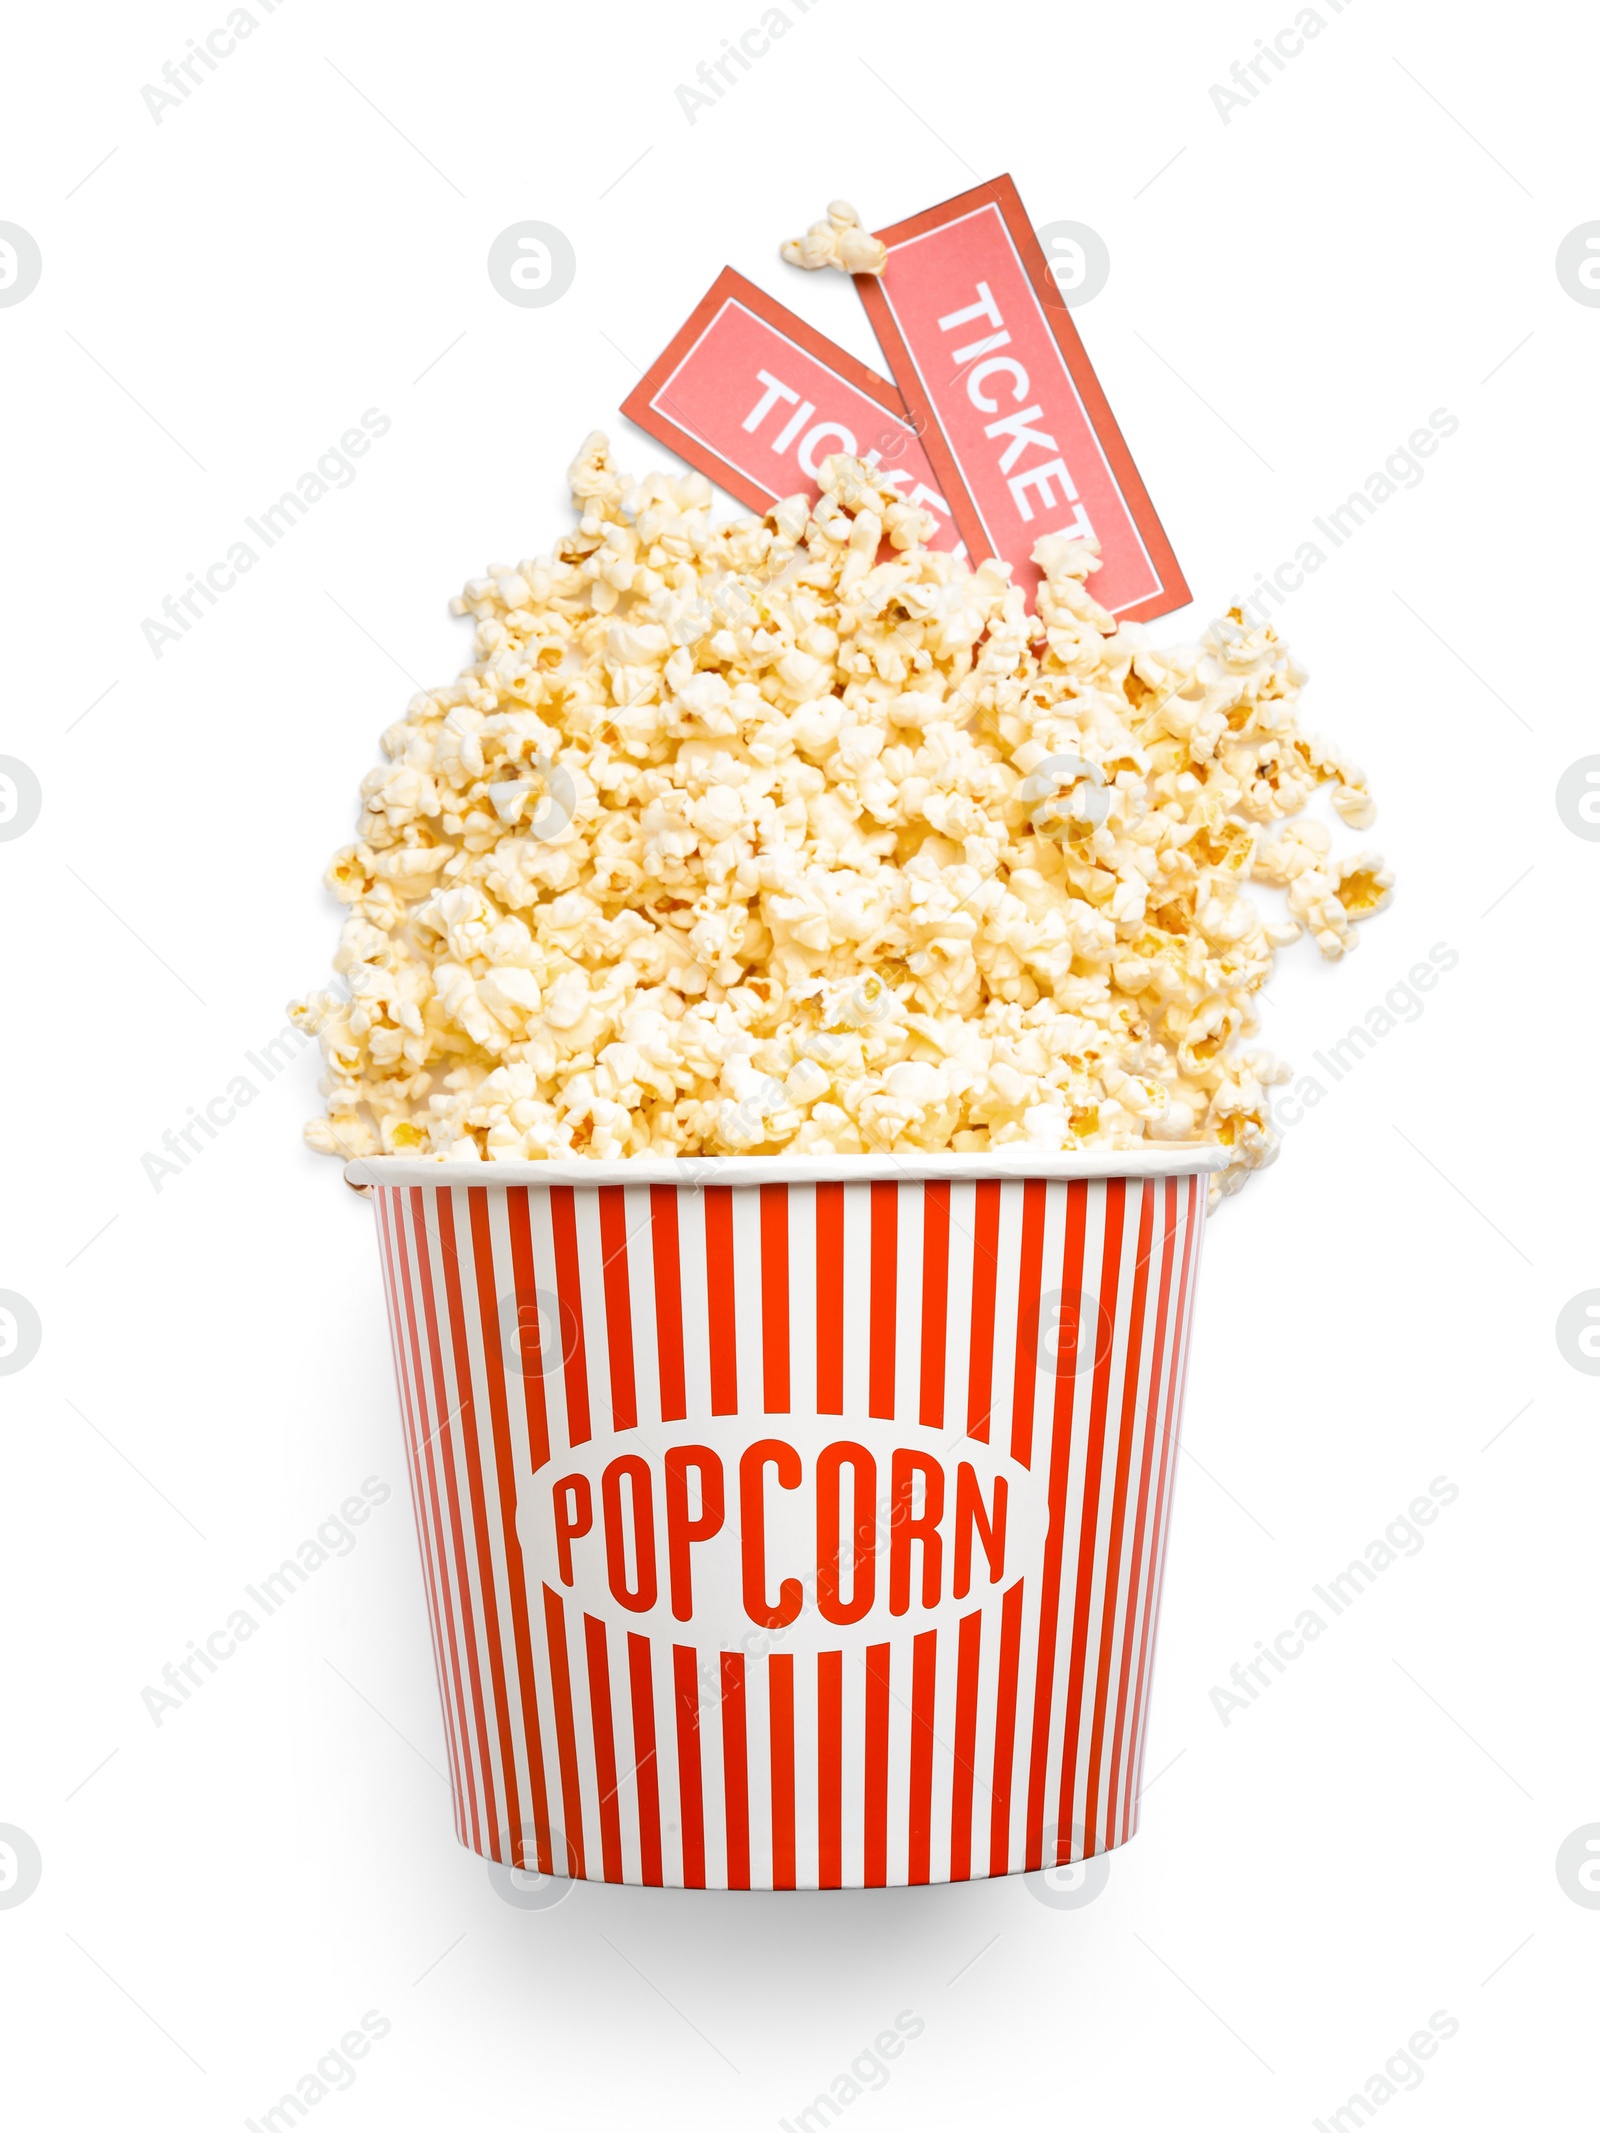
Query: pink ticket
[
  {"x": 755, "y": 398},
  {"x": 1022, "y": 439}
]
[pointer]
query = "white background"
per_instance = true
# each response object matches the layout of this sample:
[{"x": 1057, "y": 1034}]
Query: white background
[{"x": 1375, "y": 1837}]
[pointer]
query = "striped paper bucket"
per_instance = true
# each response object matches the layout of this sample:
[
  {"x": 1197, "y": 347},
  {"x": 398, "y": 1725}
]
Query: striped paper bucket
[{"x": 793, "y": 1523}]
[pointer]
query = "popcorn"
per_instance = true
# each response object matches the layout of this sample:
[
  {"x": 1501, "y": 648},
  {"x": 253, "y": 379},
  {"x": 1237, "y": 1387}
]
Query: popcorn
[
  {"x": 1325, "y": 895},
  {"x": 839, "y": 242},
  {"x": 790, "y": 834}
]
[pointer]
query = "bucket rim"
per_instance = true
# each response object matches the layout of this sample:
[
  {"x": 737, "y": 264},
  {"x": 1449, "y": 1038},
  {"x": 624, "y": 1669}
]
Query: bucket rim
[{"x": 1168, "y": 1160}]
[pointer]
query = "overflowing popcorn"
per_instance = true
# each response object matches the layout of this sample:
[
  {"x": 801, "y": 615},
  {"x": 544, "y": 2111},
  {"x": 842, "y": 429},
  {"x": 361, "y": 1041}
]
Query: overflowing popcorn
[
  {"x": 791, "y": 834},
  {"x": 839, "y": 242}
]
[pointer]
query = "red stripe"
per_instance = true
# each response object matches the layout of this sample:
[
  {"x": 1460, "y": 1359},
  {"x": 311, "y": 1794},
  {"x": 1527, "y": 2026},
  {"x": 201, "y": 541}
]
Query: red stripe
[
  {"x": 735, "y": 1760},
  {"x": 780, "y": 1708},
  {"x": 605, "y": 1747},
  {"x": 1005, "y": 1731},
  {"x": 830, "y": 1762},
  {"x": 830, "y": 1309},
  {"x": 964, "y": 1766},
  {"x": 1025, "y": 1375},
  {"x": 1194, "y": 1224},
  {"x": 619, "y": 1306},
  {"x": 881, "y": 1340},
  {"x": 1116, "y": 1195},
  {"x": 555, "y": 1636},
  {"x": 1055, "y": 1532},
  {"x": 669, "y": 1301},
  {"x": 641, "y": 1689},
  {"x": 721, "y": 1326},
  {"x": 569, "y": 1289},
  {"x": 463, "y": 1583},
  {"x": 935, "y": 1302},
  {"x": 526, "y": 1278},
  {"x": 924, "y": 1661},
  {"x": 1112, "y": 1577},
  {"x": 428, "y": 1508},
  {"x": 775, "y": 1299},
  {"x": 1119, "y": 1826},
  {"x": 450, "y": 1265},
  {"x": 985, "y": 1268},
  {"x": 505, "y": 1468},
  {"x": 691, "y": 1806},
  {"x": 875, "y": 1773}
]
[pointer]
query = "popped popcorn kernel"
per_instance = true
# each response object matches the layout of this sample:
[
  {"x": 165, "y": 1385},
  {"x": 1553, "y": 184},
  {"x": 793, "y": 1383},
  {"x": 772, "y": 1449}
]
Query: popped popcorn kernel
[
  {"x": 791, "y": 834},
  {"x": 840, "y": 242},
  {"x": 1355, "y": 806},
  {"x": 1363, "y": 884}
]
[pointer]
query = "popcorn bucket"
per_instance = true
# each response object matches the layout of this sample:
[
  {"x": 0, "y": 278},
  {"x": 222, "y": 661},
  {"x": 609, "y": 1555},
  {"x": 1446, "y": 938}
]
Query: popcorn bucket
[{"x": 793, "y": 1523}]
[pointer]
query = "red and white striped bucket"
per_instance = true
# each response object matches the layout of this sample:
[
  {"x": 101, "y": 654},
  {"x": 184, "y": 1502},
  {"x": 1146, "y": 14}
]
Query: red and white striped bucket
[{"x": 793, "y": 1523}]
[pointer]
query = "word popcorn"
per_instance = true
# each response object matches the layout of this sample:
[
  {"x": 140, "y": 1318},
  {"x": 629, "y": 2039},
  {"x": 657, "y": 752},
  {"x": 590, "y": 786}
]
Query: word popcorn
[
  {"x": 793, "y": 834},
  {"x": 928, "y": 1506}
]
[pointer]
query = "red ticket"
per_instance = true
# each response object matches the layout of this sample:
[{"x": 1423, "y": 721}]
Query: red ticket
[
  {"x": 1022, "y": 439},
  {"x": 755, "y": 398}
]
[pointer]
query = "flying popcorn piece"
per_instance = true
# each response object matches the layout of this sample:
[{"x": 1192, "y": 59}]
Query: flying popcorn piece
[
  {"x": 764, "y": 836},
  {"x": 1352, "y": 802},
  {"x": 1363, "y": 884},
  {"x": 839, "y": 242}
]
